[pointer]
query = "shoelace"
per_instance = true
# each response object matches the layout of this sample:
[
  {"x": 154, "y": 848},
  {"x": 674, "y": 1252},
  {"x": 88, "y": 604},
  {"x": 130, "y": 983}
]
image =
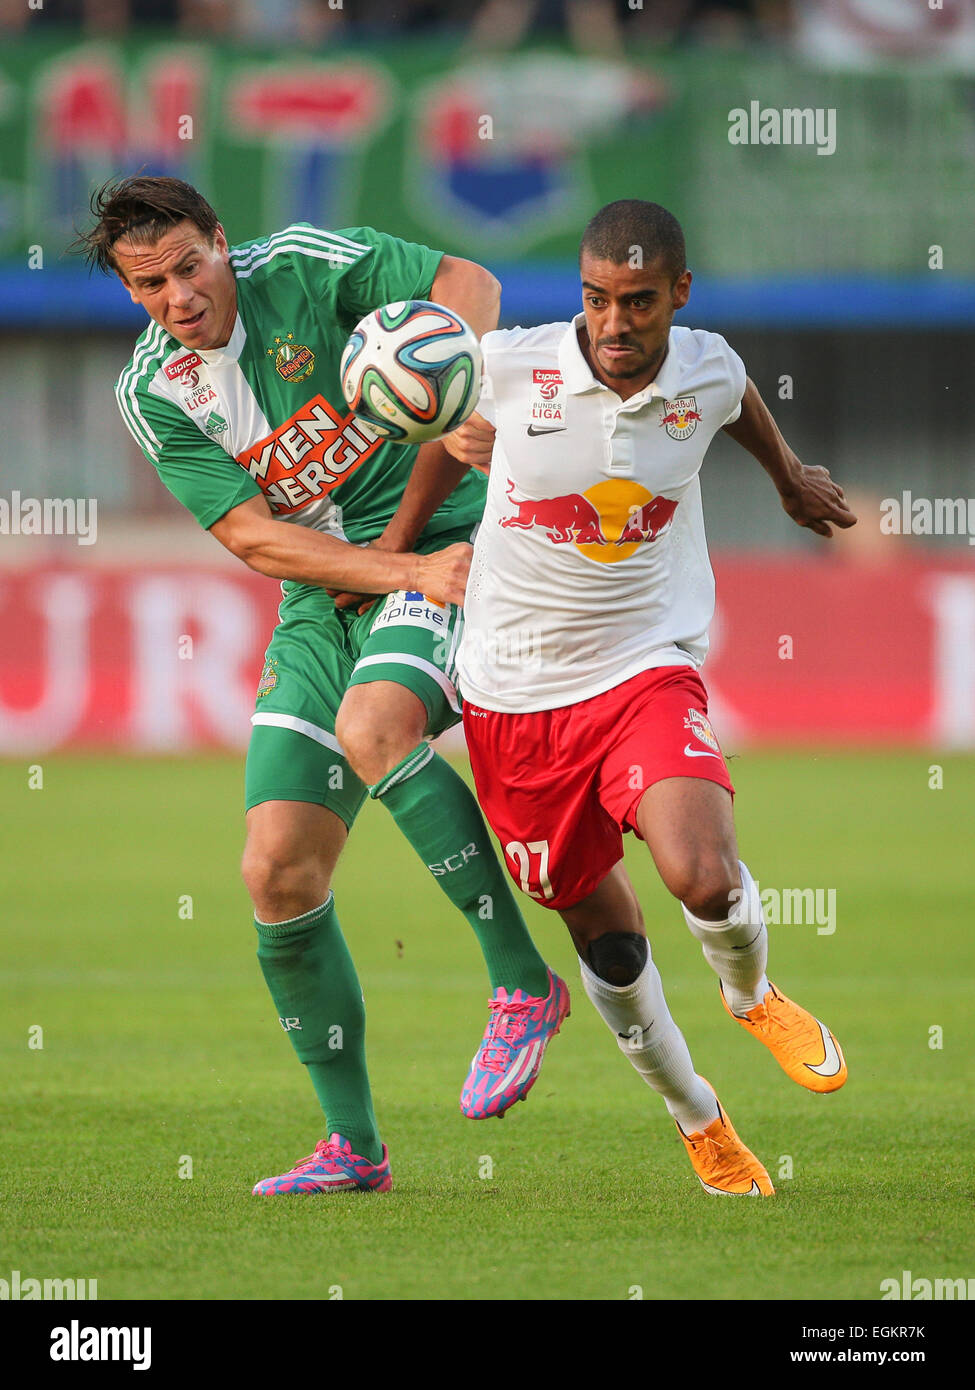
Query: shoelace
[
  {"x": 713, "y": 1150},
  {"x": 323, "y": 1149},
  {"x": 505, "y": 1030},
  {"x": 796, "y": 1047}
]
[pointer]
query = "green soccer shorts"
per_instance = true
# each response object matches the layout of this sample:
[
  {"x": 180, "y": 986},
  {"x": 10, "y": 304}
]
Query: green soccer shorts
[{"x": 317, "y": 651}]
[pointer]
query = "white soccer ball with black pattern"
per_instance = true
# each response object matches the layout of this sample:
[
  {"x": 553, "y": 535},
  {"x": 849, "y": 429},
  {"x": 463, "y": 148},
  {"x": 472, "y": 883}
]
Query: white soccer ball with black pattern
[{"x": 412, "y": 370}]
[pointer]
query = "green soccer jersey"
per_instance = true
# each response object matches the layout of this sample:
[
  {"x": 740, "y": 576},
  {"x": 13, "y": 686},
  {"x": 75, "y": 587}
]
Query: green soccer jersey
[{"x": 266, "y": 414}]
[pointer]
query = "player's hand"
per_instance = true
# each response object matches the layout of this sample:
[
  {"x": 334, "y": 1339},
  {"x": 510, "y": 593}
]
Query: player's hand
[
  {"x": 362, "y": 602},
  {"x": 816, "y": 501},
  {"x": 442, "y": 576},
  {"x": 472, "y": 442}
]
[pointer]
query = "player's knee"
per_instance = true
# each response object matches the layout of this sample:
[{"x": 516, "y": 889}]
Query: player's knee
[
  {"x": 709, "y": 886},
  {"x": 282, "y": 882},
  {"x": 373, "y": 745},
  {"x": 617, "y": 957}
]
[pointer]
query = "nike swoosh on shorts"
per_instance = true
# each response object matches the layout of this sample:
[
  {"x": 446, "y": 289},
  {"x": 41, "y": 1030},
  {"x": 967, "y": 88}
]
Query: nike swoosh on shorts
[{"x": 698, "y": 752}]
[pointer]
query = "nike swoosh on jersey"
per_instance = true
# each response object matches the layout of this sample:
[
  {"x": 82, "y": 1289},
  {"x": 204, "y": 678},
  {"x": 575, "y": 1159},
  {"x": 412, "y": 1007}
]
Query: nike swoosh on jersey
[
  {"x": 698, "y": 752},
  {"x": 554, "y": 429},
  {"x": 830, "y": 1064}
]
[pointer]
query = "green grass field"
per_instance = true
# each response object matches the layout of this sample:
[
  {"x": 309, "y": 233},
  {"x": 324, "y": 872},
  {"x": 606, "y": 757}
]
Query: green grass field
[{"x": 159, "y": 1042}]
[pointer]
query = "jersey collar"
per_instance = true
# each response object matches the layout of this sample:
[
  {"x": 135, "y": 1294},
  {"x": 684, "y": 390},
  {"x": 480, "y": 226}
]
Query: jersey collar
[
  {"x": 231, "y": 351},
  {"x": 578, "y": 376}
]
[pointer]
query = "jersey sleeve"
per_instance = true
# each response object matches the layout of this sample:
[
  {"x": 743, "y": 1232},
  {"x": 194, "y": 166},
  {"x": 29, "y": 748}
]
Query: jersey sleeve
[
  {"x": 485, "y": 401},
  {"x": 196, "y": 470},
  {"x": 737, "y": 379},
  {"x": 491, "y": 344},
  {"x": 389, "y": 270}
]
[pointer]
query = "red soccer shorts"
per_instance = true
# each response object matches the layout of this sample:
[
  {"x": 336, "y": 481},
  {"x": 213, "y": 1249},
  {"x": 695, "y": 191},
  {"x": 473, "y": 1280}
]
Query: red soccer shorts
[{"x": 559, "y": 787}]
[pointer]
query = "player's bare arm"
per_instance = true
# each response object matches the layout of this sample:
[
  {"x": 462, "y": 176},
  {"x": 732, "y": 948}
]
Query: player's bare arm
[
  {"x": 473, "y": 293},
  {"x": 473, "y": 443},
  {"x": 281, "y": 551},
  {"x": 808, "y": 493},
  {"x": 434, "y": 477},
  {"x": 470, "y": 291}
]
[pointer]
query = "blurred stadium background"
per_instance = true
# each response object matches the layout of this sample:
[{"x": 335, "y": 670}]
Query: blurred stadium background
[{"x": 846, "y": 281}]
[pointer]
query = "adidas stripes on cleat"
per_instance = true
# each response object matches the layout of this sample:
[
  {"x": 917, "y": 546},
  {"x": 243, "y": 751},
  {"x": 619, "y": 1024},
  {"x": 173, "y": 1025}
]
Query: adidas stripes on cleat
[{"x": 506, "y": 1065}]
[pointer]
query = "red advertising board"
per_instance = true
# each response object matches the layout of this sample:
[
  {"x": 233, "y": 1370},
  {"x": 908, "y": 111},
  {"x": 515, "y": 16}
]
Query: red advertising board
[{"x": 803, "y": 651}]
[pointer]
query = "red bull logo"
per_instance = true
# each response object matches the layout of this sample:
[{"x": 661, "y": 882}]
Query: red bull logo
[
  {"x": 607, "y": 521},
  {"x": 700, "y": 726},
  {"x": 680, "y": 417}
]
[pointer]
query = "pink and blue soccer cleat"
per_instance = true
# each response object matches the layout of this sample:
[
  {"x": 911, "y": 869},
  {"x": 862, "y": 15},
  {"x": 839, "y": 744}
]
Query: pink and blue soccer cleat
[
  {"x": 333, "y": 1167},
  {"x": 507, "y": 1063}
]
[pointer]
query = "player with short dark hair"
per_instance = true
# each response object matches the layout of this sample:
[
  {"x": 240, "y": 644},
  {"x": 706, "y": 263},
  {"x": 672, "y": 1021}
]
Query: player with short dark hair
[
  {"x": 233, "y": 395},
  {"x": 631, "y": 229},
  {"x": 587, "y": 613}
]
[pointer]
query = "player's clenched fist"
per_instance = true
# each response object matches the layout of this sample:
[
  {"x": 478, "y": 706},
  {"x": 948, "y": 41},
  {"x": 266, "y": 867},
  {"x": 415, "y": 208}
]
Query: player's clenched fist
[
  {"x": 472, "y": 443},
  {"x": 443, "y": 575},
  {"x": 815, "y": 500}
]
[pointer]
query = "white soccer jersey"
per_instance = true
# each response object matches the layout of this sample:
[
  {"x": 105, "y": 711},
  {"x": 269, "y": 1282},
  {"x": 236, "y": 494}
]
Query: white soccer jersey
[{"x": 591, "y": 564}]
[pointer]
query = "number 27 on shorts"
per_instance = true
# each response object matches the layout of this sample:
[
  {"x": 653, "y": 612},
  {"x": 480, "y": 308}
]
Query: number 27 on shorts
[{"x": 531, "y": 860}]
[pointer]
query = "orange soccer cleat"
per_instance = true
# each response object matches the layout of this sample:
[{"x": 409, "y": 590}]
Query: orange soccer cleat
[
  {"x": 804, "y": 1048},
  {"x": 723, "y": 1164}
]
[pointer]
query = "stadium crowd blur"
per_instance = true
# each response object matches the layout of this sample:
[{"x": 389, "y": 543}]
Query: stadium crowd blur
[{"x": 593, "y": 25}]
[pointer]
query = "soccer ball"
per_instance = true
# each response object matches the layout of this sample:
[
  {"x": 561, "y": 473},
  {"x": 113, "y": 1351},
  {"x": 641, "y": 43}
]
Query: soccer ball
[{"x": 412, "y": 370}]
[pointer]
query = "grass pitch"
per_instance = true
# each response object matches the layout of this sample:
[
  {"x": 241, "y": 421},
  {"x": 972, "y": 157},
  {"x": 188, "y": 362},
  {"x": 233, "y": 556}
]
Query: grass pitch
[{"x": 161, "y": 1054}]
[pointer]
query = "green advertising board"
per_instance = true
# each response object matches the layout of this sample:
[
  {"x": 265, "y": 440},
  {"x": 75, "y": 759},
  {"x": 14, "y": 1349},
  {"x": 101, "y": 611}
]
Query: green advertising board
[{"x": 501, "y": 158}]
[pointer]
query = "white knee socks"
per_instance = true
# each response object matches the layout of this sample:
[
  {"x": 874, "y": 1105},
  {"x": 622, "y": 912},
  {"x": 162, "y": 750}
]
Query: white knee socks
[
  {"x": 651, "y": 1041},
  {"x": 737, "y": 949}
]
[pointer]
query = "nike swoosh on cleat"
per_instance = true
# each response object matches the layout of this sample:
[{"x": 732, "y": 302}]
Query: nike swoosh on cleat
[
  {"x": 830, "y": 1065},
  {"x": 753, "y": 1191},
  {"x": 698, "y": 752}
]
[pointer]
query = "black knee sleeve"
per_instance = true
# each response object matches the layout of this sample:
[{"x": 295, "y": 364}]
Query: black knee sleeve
[{"x": 617, "y": 957}]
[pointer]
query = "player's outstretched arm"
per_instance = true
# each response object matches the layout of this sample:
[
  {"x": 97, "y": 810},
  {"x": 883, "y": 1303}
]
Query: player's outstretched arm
[
  {"x": 433, "y": 478},
  {"x": 808, "y": 494},
  {"x": 470, "y": 291},
  {"x": 283, "y": 551}
]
